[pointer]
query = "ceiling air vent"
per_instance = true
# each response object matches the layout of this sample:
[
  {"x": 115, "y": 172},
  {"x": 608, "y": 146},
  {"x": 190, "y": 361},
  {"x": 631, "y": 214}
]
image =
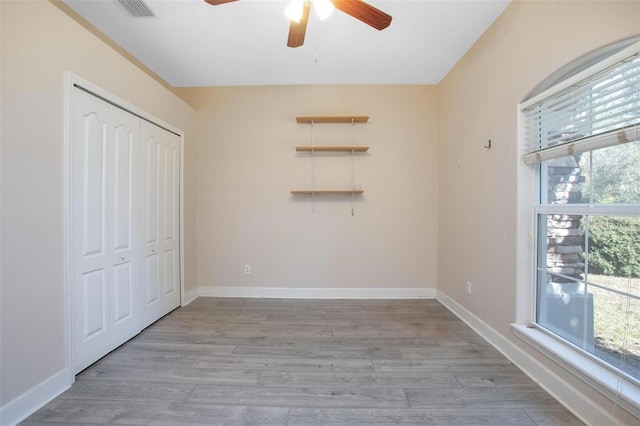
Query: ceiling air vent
[{"x": 137, "y": 8}]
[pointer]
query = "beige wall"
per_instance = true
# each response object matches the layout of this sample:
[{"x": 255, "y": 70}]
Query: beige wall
[
  {"x": 477, "y": 100},
  {"x": 40, "y": 43},
  {"x": 247, "y": 164}
]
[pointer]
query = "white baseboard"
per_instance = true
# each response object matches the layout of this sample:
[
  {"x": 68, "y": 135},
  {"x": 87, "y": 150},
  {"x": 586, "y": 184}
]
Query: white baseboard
[
  {"x": 35, "y": 398},
  {"x": 189, "y": 296},
  {"x": 572, "y": 398},
  {"x": 318, "y": 293}
]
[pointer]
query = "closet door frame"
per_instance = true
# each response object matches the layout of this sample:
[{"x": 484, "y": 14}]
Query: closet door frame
[{"x": 72, "y": 81}]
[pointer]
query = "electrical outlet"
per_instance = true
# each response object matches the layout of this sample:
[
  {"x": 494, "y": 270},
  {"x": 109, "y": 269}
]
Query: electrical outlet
[
  {"x": 468, "y": 287},
  {"x": 247, "y": 269}
]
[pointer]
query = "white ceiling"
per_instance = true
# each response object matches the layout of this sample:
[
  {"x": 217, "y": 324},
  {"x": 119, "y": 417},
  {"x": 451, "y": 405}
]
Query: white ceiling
[{"x": 190, "y": 43}]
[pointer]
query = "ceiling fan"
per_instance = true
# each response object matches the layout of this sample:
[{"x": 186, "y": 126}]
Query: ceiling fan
[{"x": 357, "y": 8}]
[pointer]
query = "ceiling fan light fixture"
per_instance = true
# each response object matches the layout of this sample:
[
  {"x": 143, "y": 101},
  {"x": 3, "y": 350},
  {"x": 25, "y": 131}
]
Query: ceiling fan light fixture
[
  {"x": 293, "y": 11},
  {"x": 324, "y": 8},
  {"x": 298, "y": 12}
]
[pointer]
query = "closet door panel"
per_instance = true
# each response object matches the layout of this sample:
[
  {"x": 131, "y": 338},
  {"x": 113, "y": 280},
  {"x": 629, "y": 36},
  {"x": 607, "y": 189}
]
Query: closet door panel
[
  {"x": 123, "y": 293},
  {"x": 152, "y": 281},
  {"x": 170, "y": 237},
  {"x": 93, "y": 293},
  {"x": 104, "y": 143},
  {"x": 170, "y": 274},
  {"x": 124, "y": 191},
  {"x": 170, "y": 203},
  {"x": 92, "y": 135},
  {"x": 171, "y": 222},
  {"x": 90, "y": 162},
  {"x": 151, "y": 184},
  {"x": 161, "y": 174}
]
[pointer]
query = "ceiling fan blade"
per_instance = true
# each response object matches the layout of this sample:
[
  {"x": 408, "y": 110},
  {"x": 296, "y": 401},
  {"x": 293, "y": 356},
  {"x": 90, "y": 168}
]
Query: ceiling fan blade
[
  {"x": 364, "y": 12},
  {"x": 217, "y": 2},
  {"x": 297, "y": 30}
]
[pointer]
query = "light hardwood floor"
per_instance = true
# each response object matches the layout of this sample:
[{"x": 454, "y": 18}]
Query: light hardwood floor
[{"x": 305, "y": 362}]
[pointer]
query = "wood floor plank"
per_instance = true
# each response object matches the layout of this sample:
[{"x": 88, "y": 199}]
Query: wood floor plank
[
  {"x": 300, "y": 396},
  {"x": 187, "y": 338},
  {"x": 80, "y": 412},
  {"x": 449, "y": 352},
  {"x": 551, "y": 416},
  {"x": 356, "y": 416},
  {"x": 228, "y": 415},
  {"x": 411, "y": 416},
  {"x": 318, "y": 352},
  {"x": 461, "y": 341},
  {"x": 173, "y": 375},
  {"x": 184, "y": 348},
  {"x": 335, "y": 341},
  {"x": 416, "y": 365},
  {"x": 285, "y": 364},
  {"x": 474, "y": 416},
  {"x": 480, "y": 397},
  {"x": 129, "y": 391},
  {"x": 394, "y": 380},
  {"x": 305, "y": 362},
  {"x": 493, "y": 379},
  {"x": 158, "y": 358}
]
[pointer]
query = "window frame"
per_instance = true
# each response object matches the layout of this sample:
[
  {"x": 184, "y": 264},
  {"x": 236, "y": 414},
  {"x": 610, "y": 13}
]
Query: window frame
[{"x": 609, "y": 381}]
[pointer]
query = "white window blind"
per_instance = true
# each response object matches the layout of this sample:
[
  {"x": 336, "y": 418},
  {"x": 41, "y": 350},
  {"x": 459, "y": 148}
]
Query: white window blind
[{"x": 587, "y": 113}]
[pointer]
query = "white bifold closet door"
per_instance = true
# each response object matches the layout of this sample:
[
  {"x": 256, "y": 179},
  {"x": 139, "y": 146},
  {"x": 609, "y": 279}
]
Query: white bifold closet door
[
  {"x": 160, "y": 164},
  {"x": 125, "y": 232}
]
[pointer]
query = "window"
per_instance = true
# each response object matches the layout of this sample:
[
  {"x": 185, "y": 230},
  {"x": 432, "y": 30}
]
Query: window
[{"x": 583, "y": 140}]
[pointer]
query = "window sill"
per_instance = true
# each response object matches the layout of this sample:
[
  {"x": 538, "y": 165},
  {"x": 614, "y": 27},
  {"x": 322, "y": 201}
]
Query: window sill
[{"x": 618, "y": 389}]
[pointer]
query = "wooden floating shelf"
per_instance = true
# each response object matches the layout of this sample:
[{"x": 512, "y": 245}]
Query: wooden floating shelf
[
  {"x": 333, "y": 148},
  {"x": 327, "y": 192},
  {"x": 334, "y": 119}
]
